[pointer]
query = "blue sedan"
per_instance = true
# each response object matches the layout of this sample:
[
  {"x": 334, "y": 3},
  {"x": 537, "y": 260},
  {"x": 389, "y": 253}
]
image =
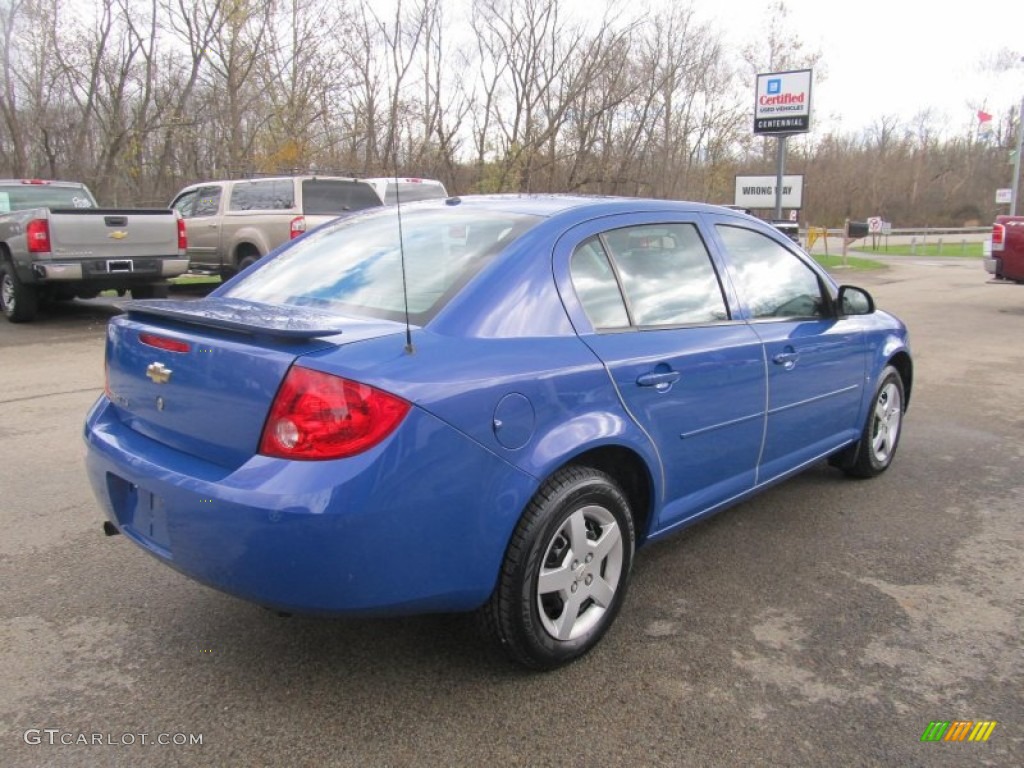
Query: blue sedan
[{"x": 485, "y": 404}]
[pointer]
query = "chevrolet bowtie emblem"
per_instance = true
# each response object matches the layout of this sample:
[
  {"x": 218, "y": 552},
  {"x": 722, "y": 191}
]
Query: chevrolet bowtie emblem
[
  {"x": 159, "y": 373},
  {"x": 118, "y": 234}
]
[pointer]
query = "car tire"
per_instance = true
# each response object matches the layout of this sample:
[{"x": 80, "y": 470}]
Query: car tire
[
  {"x": 882, "y": 429},
  {"x": 18, "y": 301},
  {"x": 565, "y": 572},
  {"x": 247, "y": 261}
]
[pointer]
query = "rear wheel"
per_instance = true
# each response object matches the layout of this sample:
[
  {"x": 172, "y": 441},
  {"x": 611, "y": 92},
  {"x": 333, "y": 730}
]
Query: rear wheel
[
  {"x": 247, "y": 256},
  {"x": 18, "y": 301},
  {"x": 881, "y": 435},
  {"x": 566, "y": 570}
]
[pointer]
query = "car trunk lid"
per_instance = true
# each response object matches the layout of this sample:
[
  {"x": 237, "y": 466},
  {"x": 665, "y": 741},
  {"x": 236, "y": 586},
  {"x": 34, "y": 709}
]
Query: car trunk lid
[{"x": 200, "y": 376}]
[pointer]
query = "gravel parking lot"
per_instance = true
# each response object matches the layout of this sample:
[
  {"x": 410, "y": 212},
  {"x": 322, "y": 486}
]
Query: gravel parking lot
[{"x": 826, "y": 622}]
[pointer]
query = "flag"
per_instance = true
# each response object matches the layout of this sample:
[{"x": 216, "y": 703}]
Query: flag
[{"x": 983, "y": 116}]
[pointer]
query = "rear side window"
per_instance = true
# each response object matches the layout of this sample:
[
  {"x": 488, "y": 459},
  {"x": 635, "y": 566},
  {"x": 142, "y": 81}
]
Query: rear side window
[
  {"x": 354, "y": 267},
  {"x": 333, "y": 197},
  {"x": 263, "y": 195},
  {"x": 666, "y": 275},
  {"x": 596, "y": 286}
]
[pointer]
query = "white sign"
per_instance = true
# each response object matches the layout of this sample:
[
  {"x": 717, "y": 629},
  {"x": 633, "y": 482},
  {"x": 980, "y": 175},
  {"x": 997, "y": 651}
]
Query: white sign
[
  {"x": 782, "y": 102},
  {"x": 759, "y": 191},
  {"x": 1004, "y": 196},
  {"x": 875, "y": 224}
]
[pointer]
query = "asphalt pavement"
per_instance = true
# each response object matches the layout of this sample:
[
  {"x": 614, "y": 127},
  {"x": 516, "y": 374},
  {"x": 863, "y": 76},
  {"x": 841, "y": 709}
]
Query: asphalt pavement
[{"x": 826, "y": 622}]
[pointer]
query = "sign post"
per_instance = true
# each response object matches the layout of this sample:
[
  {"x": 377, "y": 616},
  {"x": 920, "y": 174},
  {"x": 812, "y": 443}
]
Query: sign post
[{"x": 782, "y": 107}]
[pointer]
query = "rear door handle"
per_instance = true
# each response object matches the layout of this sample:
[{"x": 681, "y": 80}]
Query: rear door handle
[{"x": 660, "y": 380}]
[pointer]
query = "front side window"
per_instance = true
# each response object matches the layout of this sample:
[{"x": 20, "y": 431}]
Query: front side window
[
  {"x": 263, "y": 195},
  {"x": 207, "y": 202},
  {"x": 666, "y": 275},
  {"x": 185, "y": 202},
  {"x": 355, "y": 266},
  {"x": 772, "y": 280}
]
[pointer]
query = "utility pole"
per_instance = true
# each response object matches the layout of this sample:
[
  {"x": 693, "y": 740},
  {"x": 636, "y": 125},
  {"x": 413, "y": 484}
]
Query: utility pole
[{"x": 1016, "y": 159}]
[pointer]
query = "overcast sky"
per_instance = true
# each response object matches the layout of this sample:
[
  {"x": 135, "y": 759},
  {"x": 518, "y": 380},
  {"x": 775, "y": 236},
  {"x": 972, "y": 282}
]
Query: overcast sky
[{"x": 896, "y": 57}]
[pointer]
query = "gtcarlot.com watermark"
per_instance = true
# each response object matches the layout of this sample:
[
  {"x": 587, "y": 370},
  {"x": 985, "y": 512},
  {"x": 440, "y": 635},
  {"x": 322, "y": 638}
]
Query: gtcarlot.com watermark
[{"x": 59, "y": 737}]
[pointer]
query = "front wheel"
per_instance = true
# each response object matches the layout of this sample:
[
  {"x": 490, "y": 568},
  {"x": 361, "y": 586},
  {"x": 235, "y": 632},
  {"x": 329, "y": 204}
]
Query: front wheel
[
  {"x": 18, "y": 301},
  {"x": 566, "y": 570},
  {"x": 882, "y": 429}
]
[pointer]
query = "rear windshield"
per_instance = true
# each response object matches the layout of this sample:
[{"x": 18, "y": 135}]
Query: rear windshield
[
  {"x": 411, "y": 191},
  {"x": 331, "y": 197},
  {"x": 354, "y": 267},
  {"x": 20, "y": 197}
]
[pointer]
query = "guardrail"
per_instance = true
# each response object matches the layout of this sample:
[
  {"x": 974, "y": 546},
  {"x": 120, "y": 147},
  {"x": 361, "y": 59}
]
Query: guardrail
[{"x": 832, "y": 239}]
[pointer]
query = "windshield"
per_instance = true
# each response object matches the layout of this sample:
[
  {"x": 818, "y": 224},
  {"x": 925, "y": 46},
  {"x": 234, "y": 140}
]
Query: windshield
[
  {"x": 20, "y": 197},
  {"x": 354, "y": 267}
]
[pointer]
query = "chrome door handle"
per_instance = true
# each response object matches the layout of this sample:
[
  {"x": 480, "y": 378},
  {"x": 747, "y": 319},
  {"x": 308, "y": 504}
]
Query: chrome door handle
[
  {"x": 786, "y": 359},
  {"x": 660, "y": 380}
]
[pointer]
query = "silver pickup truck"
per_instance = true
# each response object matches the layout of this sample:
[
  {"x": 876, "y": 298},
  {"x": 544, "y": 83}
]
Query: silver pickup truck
[{"x": 56, "y": 244}]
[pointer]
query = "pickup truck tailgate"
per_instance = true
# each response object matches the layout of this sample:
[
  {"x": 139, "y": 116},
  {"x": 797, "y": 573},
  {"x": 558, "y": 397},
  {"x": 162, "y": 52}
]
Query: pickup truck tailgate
[{"x": 113, "y": 233}]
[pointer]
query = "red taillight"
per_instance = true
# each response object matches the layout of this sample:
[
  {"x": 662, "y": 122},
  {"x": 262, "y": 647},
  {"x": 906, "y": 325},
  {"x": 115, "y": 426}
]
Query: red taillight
[
  {"x": 34, "y": 181},
  {"x": 320, "y": 416},
  {"x": 162, "y": 342},
  {"x": 998, "y": 237},
  {"x": 182, "y": 235},
  {"x": 298, "y": 227},
  {"x": 37, "y": 234}
]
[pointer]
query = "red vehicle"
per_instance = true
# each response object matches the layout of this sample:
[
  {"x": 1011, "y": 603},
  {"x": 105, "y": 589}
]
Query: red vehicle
[{"x": 1007, "y": 259}]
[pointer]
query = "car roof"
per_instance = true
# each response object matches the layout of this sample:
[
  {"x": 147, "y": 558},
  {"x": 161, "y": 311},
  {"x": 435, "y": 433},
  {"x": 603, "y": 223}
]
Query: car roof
[
  {"x": 251, "y": 179},
  {"x": 409, "y": 179},
  {"x": 549, "y": 205}
]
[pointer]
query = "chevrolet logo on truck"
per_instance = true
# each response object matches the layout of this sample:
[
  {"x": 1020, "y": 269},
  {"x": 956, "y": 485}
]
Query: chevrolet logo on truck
[{"x": 118, "y": 234}]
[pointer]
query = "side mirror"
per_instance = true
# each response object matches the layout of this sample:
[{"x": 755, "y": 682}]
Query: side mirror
[{"x": 854, "y": 301}]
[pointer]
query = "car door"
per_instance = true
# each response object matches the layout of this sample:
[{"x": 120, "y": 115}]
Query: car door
[
  {"x": 816, "y": 361},
  {"x": 200, "y": 208},
  {"x": 647, "y": 298}
]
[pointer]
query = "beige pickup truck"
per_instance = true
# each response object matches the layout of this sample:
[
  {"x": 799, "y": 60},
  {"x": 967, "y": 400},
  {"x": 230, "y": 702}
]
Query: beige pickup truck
[{"x": 233, "y": 223}]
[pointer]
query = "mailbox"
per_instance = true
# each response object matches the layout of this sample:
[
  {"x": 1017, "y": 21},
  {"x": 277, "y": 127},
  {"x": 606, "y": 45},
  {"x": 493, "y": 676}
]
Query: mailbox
[{"x": 856, "y": 229}]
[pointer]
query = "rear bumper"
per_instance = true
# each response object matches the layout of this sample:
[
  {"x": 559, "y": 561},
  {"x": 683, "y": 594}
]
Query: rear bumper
[
  {"x": 418, "y": 524},
  {"x": 113, "y": 271},
  {"x": 993, "y": 266}
]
